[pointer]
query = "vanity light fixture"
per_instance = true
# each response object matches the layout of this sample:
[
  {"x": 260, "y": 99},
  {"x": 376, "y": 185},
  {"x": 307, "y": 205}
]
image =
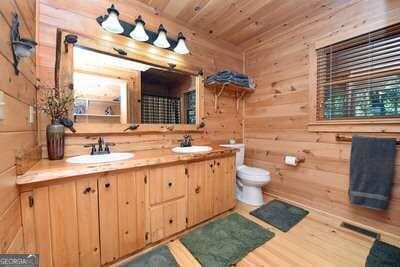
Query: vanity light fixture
[
  {"x": 139, "y": 33},
  {"x": 181, "y": 47},
  {"x": 111, "y": 22},
  {"x": 162, "y": 40}
]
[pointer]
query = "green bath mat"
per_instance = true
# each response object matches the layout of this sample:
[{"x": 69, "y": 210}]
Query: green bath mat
[
  {"x": 158, "y": 257},
  {"x": 280, "y": 214},
  {"x": 225, "y": 241},
  {"x": 383, "y": 255}
]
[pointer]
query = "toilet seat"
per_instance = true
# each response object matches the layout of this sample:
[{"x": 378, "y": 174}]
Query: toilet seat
[{"x": 254, "y": 174}]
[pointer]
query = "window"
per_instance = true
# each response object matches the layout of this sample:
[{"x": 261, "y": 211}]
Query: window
[
  {"x": 190, "y": 107},
  {"x": 360, "y": 77}
]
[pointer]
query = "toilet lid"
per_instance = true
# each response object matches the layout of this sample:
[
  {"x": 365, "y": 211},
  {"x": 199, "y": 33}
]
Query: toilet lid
[{"x": 252, "y": 172}]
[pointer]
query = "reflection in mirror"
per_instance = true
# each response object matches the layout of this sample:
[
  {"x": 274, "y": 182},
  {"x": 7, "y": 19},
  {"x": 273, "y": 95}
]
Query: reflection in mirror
[{"x": 111, "y": 89}]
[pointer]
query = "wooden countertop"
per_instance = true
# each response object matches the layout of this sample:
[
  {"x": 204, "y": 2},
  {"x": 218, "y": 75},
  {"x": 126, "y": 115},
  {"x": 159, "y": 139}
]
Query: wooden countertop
[{"x": 47, "y": 170}]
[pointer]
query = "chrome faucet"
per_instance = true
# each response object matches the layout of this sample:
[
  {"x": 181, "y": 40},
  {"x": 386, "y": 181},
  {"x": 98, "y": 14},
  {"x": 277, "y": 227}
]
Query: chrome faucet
[
  {"x": 186, "y": 141},
  {"x": 103, "y": 147}
]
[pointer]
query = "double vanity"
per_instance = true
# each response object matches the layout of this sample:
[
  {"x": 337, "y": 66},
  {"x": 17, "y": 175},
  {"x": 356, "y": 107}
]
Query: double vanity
[{"x": 101, "y": 208}]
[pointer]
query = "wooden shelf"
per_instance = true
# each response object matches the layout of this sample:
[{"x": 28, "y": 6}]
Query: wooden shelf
[
  {"x": 219, "y": 88},
  {"x": 99, "y": 100},
  {"x": 97, "y": 115}
]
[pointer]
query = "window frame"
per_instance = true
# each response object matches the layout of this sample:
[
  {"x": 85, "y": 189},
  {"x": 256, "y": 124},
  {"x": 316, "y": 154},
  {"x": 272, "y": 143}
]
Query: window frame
[{"x": 373, "y": 125}]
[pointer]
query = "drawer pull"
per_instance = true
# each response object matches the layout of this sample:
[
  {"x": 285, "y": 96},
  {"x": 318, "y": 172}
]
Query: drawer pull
[
  {"x": 87, "y": 190},
  {"x": 171, "y": 221},
  {"x": 197, "y": 190},
  {"x": 107, "y": 185},
  {"x": 217, "y": 163},
  {"x": 169, "y": 184}
]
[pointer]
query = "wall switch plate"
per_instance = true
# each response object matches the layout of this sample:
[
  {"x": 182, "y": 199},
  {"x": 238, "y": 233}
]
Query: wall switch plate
[
  {"x": 31, "y": 114},
  {"x": 2, "y": 105}
]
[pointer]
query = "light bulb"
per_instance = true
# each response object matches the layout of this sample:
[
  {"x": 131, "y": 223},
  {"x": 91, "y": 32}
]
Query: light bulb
[
  {"x": 181, "y": 47},
  {"x": 139, "y": 33},
  {"x": 162, "y": 40},
  {"x": 111, "y": 23}
]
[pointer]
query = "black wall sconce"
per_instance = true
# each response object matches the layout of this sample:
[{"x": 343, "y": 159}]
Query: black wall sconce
[
  {"x": 21, "y": 47},
  {"x": 111, "y": 23}
]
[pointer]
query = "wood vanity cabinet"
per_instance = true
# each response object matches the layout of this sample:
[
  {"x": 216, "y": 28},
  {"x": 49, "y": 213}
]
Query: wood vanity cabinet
[{"x": 95, "y": 220}]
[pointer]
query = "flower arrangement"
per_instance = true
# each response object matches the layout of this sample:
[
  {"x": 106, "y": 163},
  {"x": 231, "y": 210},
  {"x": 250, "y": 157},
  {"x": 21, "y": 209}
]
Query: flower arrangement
[{"x": 56, "y": 103}]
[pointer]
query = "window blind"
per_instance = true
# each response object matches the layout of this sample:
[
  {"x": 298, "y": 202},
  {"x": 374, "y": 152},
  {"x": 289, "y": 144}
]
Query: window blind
[{"x": 360, "y": 77}]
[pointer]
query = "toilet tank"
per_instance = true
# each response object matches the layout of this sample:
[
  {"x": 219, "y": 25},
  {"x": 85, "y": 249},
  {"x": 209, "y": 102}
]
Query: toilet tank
[{"x": 239, "y": 155}]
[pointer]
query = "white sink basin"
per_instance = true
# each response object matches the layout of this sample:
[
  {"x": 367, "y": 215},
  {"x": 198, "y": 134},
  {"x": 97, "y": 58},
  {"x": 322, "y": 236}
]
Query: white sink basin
[
  {"x": 192, "y": 149},
  {"x": 86, "y": 159}
]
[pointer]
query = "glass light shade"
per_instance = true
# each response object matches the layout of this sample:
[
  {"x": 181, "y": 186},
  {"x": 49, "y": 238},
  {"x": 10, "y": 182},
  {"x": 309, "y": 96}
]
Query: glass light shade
[
  {"x": 181, "y": 47},
  {"x": 162, "y": 40},
  {"x": 111, "y": 24},
  {"x": 139, "y": 34}
]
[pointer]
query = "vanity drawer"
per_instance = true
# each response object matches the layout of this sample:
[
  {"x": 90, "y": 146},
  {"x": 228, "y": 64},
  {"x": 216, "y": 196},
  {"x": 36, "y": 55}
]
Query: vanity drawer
[
  {"x": 167, "y": 219},
  {"x": 167, "y": 183}
]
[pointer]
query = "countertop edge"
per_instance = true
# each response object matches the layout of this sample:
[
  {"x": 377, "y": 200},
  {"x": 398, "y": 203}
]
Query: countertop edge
[{"x": 70, "y": 171}]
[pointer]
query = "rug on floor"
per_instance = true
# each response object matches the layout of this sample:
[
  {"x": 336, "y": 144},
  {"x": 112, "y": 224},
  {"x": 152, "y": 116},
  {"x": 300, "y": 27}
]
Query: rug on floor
[
  {"x": 280, "y": 214},
  {"x": 383, "y": 254},
  {"x": 159, "y": 257},
  {"x": 225, "y": 241}
]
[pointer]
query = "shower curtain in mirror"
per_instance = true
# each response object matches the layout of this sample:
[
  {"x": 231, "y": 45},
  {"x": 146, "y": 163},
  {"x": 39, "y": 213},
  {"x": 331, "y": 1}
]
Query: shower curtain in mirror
[{"x": 161, "y": 109}]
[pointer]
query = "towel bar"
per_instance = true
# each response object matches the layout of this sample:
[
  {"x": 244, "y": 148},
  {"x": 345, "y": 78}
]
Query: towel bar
[{"x": 348, "y": 139}]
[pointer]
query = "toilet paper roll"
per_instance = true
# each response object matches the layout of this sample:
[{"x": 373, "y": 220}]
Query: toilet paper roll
[{"x": 290, "y": 160}]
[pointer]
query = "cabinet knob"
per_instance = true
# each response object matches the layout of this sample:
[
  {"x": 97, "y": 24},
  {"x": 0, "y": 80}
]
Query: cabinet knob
[
  {"x": 87, "y": 190},
  {"x": 197, "y": 190},
  {"x": 107, "y": 185},
  {"x": 171, "y": 221},
  {"x": 169, "y": 184},
  {"x": 217, "y": 163}
]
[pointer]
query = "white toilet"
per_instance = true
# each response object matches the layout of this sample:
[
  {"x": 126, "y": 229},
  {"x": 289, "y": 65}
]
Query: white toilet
[{"x": 249, "y": 179}]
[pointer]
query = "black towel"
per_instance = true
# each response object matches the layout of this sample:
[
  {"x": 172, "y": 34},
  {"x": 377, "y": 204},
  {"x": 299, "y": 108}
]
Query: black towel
[{"x": 371, "y": 171}]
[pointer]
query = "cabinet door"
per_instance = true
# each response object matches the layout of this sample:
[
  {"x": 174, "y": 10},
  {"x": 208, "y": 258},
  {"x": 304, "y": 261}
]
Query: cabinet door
[
  {"x": 131, "y": 211},
  {"x": 199, "y": 193},
  {"x": 122, "y": 214},
  {"x": 168, "y": 219},
  {"x": 167, "y": 183},
  {"x": 223, "y": 173},
  {"x": 88, "y": 221},
  {"x": 56, "y": 224},
  {"x": 108, "y": 211}
]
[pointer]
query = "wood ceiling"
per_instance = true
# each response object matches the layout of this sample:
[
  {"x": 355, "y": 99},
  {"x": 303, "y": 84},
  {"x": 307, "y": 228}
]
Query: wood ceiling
[{"x": 236, "y": 21}]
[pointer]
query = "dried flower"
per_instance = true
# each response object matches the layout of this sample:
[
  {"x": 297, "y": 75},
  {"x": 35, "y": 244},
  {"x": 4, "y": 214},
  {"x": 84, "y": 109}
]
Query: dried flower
[{"x": 55, "y": 102}]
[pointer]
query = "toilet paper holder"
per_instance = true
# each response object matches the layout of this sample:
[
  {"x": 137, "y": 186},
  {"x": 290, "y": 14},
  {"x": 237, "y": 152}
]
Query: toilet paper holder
[{"x": 297, "y": 160}]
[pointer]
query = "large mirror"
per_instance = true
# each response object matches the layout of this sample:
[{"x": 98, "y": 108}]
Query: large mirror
[{"x": 112, "y": 89}]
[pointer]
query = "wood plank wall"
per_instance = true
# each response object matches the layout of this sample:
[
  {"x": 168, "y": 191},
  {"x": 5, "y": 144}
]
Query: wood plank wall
[
  {"x": 17, "y": 135},
  {"x": 79, "y": 16},
  {"x": 276, "y": 115}
]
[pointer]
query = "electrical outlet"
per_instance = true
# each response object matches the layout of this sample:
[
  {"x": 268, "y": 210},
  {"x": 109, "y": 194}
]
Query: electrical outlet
[
  {"x": 2, "y": 104},
  {"x": 31, "y": 114}
]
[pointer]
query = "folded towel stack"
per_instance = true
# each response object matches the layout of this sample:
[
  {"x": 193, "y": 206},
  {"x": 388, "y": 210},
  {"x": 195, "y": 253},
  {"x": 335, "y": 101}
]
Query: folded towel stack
[{"x": 229, "y": 76}]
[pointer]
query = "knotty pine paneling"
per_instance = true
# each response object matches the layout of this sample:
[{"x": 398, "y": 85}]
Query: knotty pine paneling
[
  {"x": 79, "y": 17},
  {"x": 276, "y": 115},
  {"x": 16, "y": 133}
]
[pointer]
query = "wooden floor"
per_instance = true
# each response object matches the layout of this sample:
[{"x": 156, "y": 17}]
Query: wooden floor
[{"x": 318, "y": 240}]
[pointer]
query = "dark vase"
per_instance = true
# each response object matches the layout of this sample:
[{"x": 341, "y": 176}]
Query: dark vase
[{"x": 55, "y": 141}]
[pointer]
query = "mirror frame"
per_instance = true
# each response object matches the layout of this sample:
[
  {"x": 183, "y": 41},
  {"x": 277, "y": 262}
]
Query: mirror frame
[{"x": 123, "y": 47}]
